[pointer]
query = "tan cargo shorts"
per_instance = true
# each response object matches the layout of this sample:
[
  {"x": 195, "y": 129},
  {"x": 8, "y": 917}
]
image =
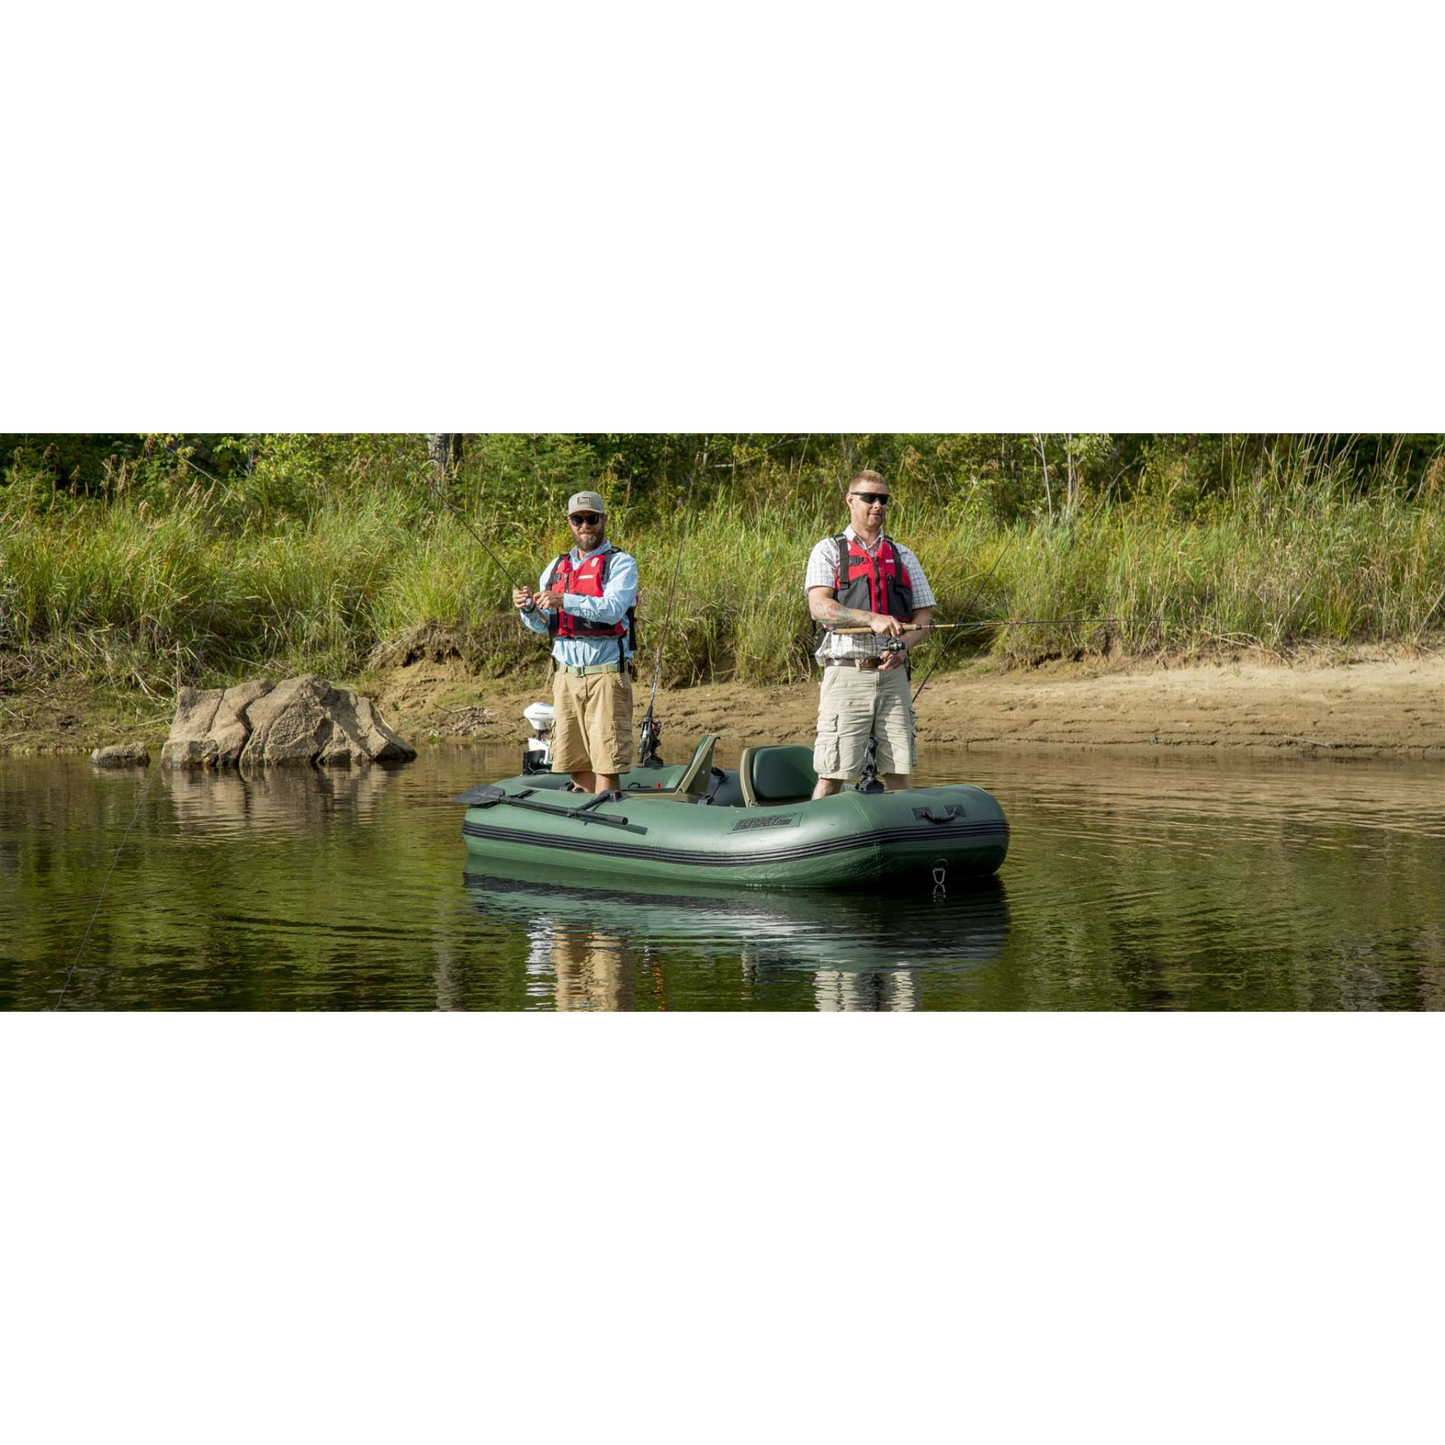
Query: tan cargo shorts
[
  {"x": 592, "y": 729},
  {"x": 855, "y": 704}
]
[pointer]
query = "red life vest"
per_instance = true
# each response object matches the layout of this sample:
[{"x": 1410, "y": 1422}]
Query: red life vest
[
  {"x": 587, "y": 580},
  {"x": 873, "y": 584}
]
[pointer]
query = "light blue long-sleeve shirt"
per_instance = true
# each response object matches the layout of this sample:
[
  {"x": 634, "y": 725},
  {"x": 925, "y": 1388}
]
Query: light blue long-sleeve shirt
[{"x": 618, "y": 594}]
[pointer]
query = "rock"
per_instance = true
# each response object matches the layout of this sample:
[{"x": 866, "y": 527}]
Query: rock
[
  {"x": 122, "y": 755},
  {"x": 290, "y": 723},
  {"x": 360, "y": 735},
  {"x": 301, "y": 720},
  {"x": 210, "y": 728}
]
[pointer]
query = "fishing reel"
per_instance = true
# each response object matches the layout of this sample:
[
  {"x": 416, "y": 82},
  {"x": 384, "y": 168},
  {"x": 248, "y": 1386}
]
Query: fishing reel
[
  {"x": 892, "y": 644},
  {"x": 648, "y": 737}
]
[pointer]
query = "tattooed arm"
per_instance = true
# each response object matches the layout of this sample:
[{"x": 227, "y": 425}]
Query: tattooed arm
[{"x": 826, "y": 609}]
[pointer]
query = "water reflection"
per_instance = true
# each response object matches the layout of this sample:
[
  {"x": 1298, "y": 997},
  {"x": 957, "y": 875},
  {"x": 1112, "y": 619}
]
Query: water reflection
[
  {"x": 1153, "y": 883},
  {"x": 590, "y": 941},
  {"x": 216, "y": 805},
  {"x": 589, "y": 970}
]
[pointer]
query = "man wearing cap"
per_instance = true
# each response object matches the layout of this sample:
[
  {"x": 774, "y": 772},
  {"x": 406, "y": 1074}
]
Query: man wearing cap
[
  {"x": 585, "y": 601},
  {"x": 863, "y": 578}
]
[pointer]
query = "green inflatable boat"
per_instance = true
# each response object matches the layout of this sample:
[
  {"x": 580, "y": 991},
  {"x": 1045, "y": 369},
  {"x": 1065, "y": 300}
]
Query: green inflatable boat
[{"x": 753, "y": 826}]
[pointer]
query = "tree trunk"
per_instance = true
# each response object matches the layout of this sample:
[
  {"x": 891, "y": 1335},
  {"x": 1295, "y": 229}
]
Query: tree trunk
[
  {"x": 1041, "y": 446},
  {"x": 1072, "y": 464},
  {"x": 444, "y": 451}
]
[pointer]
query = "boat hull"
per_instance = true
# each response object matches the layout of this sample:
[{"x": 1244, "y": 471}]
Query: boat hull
[{"x": 918, "y": 837}]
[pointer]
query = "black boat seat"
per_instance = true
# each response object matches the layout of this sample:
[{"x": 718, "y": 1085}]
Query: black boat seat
[
  {"x": 725, "y": 791},
  {"x": 782, "y": 774}
]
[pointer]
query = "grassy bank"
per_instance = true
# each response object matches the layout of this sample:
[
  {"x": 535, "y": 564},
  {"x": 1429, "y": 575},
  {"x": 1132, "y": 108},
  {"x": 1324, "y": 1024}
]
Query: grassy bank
[{"x": 142, "y": 588}]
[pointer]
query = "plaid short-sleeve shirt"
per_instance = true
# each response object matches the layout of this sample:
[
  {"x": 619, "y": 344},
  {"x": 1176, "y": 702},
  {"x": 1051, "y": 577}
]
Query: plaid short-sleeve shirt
[{"x": 823, "y": 564}]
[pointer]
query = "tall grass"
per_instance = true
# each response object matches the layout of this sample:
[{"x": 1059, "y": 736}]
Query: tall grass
[{"x": 194, "y": 594}]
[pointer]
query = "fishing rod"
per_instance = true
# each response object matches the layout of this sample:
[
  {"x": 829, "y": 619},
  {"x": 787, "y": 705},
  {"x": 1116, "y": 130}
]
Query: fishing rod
[
  {"x": 1005, "y": 622},
  {"x": 942, "y": 650},
  {"x": 451, "y": 507},
  {"x": 868, "y": 780},
  {"x": 650, "y": 732}
]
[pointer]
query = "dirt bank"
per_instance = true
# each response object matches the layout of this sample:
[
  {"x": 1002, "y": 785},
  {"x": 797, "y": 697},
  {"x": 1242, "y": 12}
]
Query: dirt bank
[{"x": 1363, "y": 701}]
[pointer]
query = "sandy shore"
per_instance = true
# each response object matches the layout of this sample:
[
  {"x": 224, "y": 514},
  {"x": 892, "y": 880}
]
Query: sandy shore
[
  {"x": 1357, "y": 702},
  {"x": 1367, "y": 702}
]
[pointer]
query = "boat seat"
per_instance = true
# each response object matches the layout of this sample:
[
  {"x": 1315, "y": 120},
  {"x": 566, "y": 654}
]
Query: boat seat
[
  {"x": 725, "y": 791},
  {"x": 692, "y": 786},
  {"x": 781, "y": 774}
]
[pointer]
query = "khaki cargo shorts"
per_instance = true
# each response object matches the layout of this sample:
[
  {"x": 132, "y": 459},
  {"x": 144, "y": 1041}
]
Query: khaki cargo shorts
[
  {"x": 855, "y": 704},
  {"x": 592, "y": 730}
]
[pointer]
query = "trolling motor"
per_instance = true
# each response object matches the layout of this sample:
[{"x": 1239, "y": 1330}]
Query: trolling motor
[
  {"x": 648, "y": 737},
  {"x": 537, "y": 750}
]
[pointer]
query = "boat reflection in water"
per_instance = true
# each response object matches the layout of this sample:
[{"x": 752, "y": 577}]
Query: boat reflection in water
[{"x": 596, "y": 946}]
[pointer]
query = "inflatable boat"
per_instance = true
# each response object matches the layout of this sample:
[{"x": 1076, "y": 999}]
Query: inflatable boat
[{"x": 754, "y": 826}]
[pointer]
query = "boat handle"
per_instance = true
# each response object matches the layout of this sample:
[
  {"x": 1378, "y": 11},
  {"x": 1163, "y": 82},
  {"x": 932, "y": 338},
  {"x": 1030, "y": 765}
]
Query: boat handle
[{"x": 951, "y": 812}]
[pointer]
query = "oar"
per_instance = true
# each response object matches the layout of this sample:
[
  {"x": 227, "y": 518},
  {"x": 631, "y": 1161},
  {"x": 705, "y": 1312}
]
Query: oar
[{"x": 488, "y": 795}]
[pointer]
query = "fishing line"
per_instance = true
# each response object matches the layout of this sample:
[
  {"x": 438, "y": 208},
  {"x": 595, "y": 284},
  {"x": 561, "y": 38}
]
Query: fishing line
[
  {"x": 96, "y": 914},
  {"x": 942, "y": 650},
  {"x": 151, "y": 778},
  {"x": 652, "y": 731},
  {"x": 495, "y": 561}
]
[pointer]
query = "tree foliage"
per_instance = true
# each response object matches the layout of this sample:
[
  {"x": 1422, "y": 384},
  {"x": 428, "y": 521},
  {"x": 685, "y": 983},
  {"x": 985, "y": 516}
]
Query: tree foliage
[{"x": 523, "y": 479}]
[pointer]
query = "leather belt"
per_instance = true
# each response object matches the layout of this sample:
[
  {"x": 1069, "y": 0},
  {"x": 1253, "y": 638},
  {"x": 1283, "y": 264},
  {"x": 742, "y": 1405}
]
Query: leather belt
[{"x": 865, "y": 664}]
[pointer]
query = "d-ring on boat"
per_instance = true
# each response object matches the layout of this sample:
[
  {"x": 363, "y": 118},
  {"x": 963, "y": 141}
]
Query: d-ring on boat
[{"x": 755, "y": 826}]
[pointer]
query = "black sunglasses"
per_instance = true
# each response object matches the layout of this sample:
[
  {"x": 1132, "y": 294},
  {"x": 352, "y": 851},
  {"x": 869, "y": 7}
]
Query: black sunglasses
[
  {"x": 870, "y": 497},
  {"x": 581, "y": 519}
]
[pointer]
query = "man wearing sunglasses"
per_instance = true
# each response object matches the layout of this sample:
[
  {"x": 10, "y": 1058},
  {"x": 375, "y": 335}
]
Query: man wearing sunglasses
[
  {"x": 862, "y": 578},
  {"x": 585, "y": 601}
]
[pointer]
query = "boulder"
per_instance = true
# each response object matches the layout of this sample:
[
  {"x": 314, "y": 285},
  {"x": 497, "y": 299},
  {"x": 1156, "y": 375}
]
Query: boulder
[
  {"x": 122, "y": 755},
  {"x": 210, "y": 728},
  {"x": 301, "y": 720}
]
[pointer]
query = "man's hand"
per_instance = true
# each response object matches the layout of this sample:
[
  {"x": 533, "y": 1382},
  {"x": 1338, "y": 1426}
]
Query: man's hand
[
  {"x": 521, "y": 597},
  {"x": 885, "y": 626},
  {"x": 549, "y": 599},
  {"x": 889, "y": 660}
]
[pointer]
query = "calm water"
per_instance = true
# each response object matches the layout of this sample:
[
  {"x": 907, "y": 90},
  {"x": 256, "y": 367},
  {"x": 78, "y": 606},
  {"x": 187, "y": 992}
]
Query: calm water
[{"x": 1130, "y": 884}]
